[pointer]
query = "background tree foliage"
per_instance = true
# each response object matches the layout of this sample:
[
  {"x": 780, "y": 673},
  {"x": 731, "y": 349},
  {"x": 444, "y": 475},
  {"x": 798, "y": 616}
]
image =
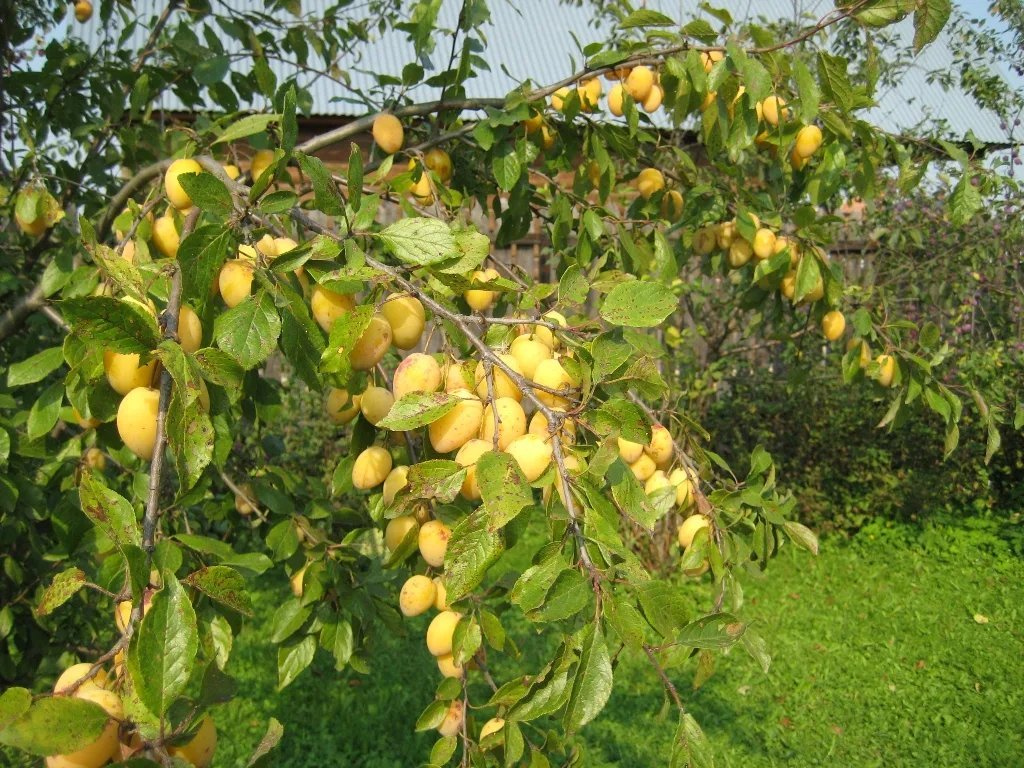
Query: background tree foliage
[{"x": 670, "y": 320}]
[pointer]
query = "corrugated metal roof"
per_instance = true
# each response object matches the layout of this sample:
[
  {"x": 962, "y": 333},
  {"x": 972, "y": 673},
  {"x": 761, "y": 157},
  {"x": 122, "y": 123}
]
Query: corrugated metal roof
[{"x": 540, "y": 40}]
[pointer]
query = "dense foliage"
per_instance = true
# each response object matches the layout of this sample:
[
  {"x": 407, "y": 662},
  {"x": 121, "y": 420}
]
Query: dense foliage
[{"x": 185, "y": 291}]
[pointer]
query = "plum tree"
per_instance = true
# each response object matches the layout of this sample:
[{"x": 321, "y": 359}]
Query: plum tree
[{"x": 548, "y": 406}]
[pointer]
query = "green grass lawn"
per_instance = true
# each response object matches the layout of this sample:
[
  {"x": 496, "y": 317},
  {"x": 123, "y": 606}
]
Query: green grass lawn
[{"x": 878, "y": 660}]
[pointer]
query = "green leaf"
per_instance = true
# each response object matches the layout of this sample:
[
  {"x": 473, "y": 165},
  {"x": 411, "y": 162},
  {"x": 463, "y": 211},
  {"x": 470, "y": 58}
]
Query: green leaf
[
  {"x": 638, "y": 304},
  {"x": 267, "y": 744},
  {"x": 472, "y": 549},
  {"x": 618, "y": 416},
  {"x": 549, "y": 690},
  {"x": 531, "y": 587},
  {"x": 45, "y": 411},
  {"x": 247, "y": 126},
  {"x": 125, "y": 276},
  {"x": 249, "y": 331},
  {"x": 929, "y": 19},
  {"x": 443, "y": 750},
  {"x": 690, "y": 747},
  {"x": 573, "y": 286},
  {"x": 436, "y": 479},
  {"x": 327, "y": 198},
  {"x": 757, "y": 648},
  {"x": 417, "y": 409},
  {"x": 201, "y": 256},
  {"x": 629, "y": 495},
  {"x": 223, "y": 584},
  {"x": 625, "y": 620},
  {"x": 569, "y": 595},
  {"x": 593, "y": 684},
  {"x": 63, "y": 587},
  {"x": 110, "y": 511},
  {"x": 218, "y": 367},
  {"x": 808, "y": 277},
  {"x": 301, "y": 339},
  {"x": 288, "y": 619},
  {"x": 719, "y": 630},
  {"x": 343, "y": 337},
  {"x": 646, "y": 18},
  {"x": 466, "y": 640},
  {"x": 54, "y": 725},
  {"x": 189, "y": 429},
  {"x": 207, "y": 192},
  {"x": 834, "y": 81},
  {"x": 35, "y": 368},
  {"x": 417, "y": 240},
  {"x": 965, "y": 201},
  {"x": 807, "y": 89},
  {"x": 163, "y": 649},
  {"x": 292, "y": 659},
  {"x": 14, "y": 702},
  {"x": 503, "y": 487},
  {"x": 355, "y": 176},
  {"x": 289, "y": 123},
  {"x": 122, "y": 326},
  {"x": 802, "y": 535},
  {"x": 506, "y": 166},
  {"x": 281, "y": 201},
  {"x": 881, "y": 13}
]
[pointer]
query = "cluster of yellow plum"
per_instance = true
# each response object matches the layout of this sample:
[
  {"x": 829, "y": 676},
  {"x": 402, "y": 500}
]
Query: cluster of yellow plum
[
  {"x": 389, "y": 136},
  {"x": 99, "y": 689}
]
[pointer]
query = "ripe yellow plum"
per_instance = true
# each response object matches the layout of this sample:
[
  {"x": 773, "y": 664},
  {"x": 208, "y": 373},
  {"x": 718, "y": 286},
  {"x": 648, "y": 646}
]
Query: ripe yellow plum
[
  {"x": 417, "y": 595},
  {"x": 478, "y": 299},
  {"x": 421, "y": 189},
  {"x": 511, "y": 422},
  {"x": 808, "y": 140},
  {"x": 124, "y": 372},
  {"x": 672, "y": 205},
  {"x": 456, "y": 375},
  {"x": 503, "y": 385},
  {"x": 261, "y": 160},
  {"x": 541, "y": 332},
  {"x": 683, "y": 483},
  {"x": 452, "y": 723},
  {"x": 397, "y": 529},
  {"x": 643, "y": 468},
  {"x": 297, "y": 579},
  {"x": 628, "y": 450},
  {"x": 468, "y": 456},
  {"x": 589, "y": 92},
  {"x": 550, "y": 373},
  {"x": 199, "y": 750},
  {"x": 232, "y": 171},
  {"x": 242, "y": 500},
  {"x": 388, "y": 133},
  {"x": 375, "y": 403},
  {"x": 77, "y": 672},
  {"x": 441, "y": 631},
  {"x": 704, "y": 241},
  {"x": 886, "y": 370},
  {"x": 190, "y": 329},
  {"x": 725, "y": 234},
  {"x": 136, "y": 421},
  {"x": 397, "y": 479},
  {"x": 739, "y": 253},
  {"x": 371, "y": 347},
  {"x": 417, "y": 373},
  {"x": 690, "y": 527},
  {"x": 459, "y": 425},
  {"x": 529, "y": 351},
  {"x": 166, "y": 237},
  {"x": 340, "y": 407},
  {"x": 654, "y": 98},
  {"x": 656, "y": 482},
  {"x": 437, "y": 160},
  {"x": 176, "y": 194},
  {"x": 764, "y": 243},
  {"x": 833, "y": 325},
  {"x": 441, "y": 595},
  {"x": 774, "y": 110},
  {"x": 447, "y": 666},
  {"x": 83, "y": 11},
  {"x": 433, "y": 542},
  {"x": 616, "y": 95},
  {"x": 328, "y": 306},
  {"x": 649, "y": 181},
  {"x": 708, "y": 59},
  {"x": 370, "y": 468},
  {"x": 539, "y": 426},
  {"x": 782, "y": 243},
  {"x": 558, "y": 98},
  {"x": 406, "y": 316},
  {"x": 533, "y": 454},
  {"x": 235, "y": 281},
  {"x": 660, "y": 448},
  {"x": 639, "y": 83}
]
